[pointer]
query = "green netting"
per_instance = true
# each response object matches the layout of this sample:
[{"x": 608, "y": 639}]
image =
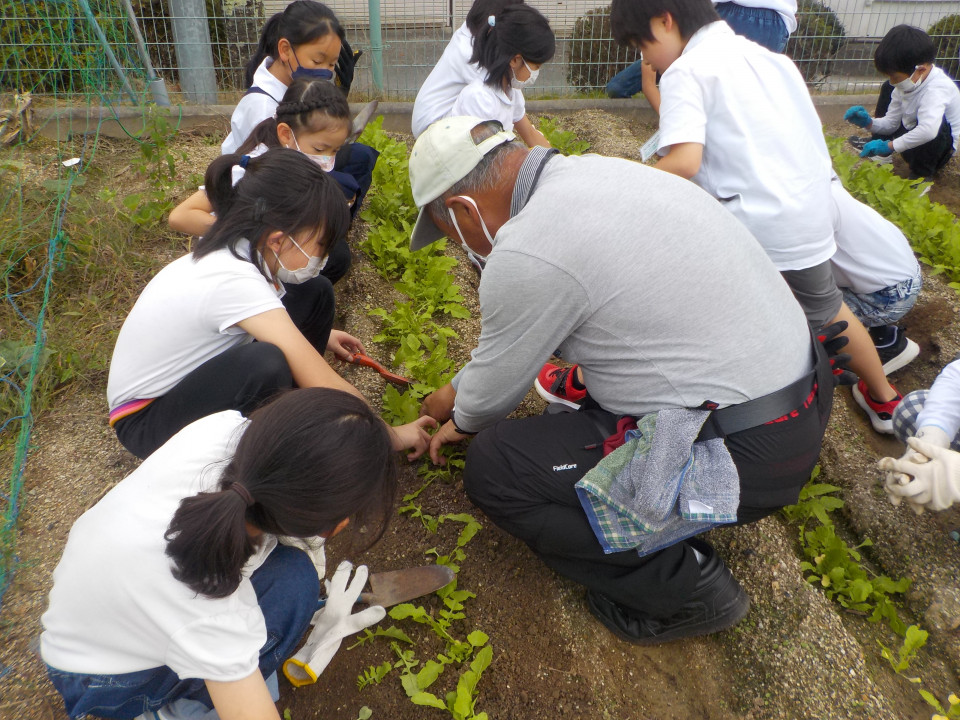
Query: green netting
[{"x": 72, "y": 53}]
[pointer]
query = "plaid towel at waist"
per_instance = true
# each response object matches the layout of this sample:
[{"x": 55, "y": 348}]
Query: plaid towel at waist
[{"x": 660, "y": 486}]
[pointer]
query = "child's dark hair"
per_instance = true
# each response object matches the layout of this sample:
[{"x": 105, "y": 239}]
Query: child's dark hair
[
  {"x": 280, "y": 190},
  {"x": 311, "y": 105},
  {"x": 301, "y": 22},
  {"x": 517, "y": 30},
  {"x": 483, "y": 9},
  {"x": 630, "y": 19},
  {"x": 307, "y": 461},
  {"x": 902, "y": 49}
]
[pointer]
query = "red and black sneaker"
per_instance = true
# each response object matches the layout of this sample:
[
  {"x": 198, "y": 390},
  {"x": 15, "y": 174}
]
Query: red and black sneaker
[
  {"x": 555, "y": 385},
  {"x": 880, "y": 413}
]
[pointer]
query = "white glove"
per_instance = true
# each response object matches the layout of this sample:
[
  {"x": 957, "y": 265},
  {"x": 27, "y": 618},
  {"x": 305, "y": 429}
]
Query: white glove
[
  {"x": 331, "y": 624},
  {"x": 933, "y": 476}
]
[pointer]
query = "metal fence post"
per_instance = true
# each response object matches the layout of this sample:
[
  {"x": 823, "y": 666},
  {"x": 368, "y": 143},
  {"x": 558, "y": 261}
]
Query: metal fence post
[
  {"x": 198, "y": 79},
  {"x": 376, "y": 45}
]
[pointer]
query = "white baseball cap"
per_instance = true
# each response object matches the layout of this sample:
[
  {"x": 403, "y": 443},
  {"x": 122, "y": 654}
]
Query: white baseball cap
[{"x": 442, "y": 156}]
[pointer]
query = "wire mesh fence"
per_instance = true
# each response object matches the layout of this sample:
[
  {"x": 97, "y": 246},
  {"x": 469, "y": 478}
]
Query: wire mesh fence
[{"x": 833, "y": 44}]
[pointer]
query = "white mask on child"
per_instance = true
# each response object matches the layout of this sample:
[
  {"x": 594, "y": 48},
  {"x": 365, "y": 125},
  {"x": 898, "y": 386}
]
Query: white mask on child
[
  {"x": 483, "y": 226},
  {"x": 521, "y": 84},
  {"x": 908, "y": 86},
  {"x": 301, "y": 275},
  {"x": 325, "y": 162}
]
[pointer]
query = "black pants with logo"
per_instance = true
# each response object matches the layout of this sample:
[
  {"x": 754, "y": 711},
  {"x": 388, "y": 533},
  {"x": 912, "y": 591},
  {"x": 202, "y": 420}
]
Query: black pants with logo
[{"x": 522, "y": 473}]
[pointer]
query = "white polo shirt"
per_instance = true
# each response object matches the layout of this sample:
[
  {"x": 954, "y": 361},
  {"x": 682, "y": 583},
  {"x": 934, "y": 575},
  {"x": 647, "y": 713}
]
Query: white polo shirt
[
  {"x": 764, "y": 156},
  {"x": 922, "y": 112},
  {"x": 872, "y": 254},
  {"x": 115, "y": 606},
  {"x": 254, "y": 107},
  {"x": 449, "y": 76},
  {"x": 480, "y": 100}
]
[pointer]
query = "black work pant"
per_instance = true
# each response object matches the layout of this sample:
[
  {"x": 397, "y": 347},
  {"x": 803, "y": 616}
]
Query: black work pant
[
  {"x": 924, "y": 160},
  {"x": 522, "y": 473},
  {"x": 242, "y": 378}
]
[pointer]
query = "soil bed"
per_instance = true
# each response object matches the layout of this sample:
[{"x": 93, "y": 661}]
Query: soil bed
[{"x": 797, "y": 655}]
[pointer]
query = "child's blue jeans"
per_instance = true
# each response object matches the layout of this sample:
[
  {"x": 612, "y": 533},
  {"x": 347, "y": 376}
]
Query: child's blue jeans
[
  {"x": 886, "y": 306},
  {"x": 762, "y": 25},
  {"x": 287, "y": 589}
]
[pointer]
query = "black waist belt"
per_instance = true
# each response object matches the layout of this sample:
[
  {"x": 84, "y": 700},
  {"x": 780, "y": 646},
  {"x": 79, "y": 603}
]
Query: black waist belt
[{"x": 762, "y": 410}]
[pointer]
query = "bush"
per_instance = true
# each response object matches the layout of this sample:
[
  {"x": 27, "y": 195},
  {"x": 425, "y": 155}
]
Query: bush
[
  {"x": 594, "y": 56},
  {"x": 816, "y": 41},
  {"x": 946, "y": 35}
]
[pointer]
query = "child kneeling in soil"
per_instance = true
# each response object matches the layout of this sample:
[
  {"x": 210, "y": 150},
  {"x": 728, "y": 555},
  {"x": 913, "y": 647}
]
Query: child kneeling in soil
[
  {"x": 174, "y": 595},
  {"x": 757, "y": 146},
  {"x": 187, "y": 349},
  {"x": 918, "y": 111},
  {"x": 878, "y": 274}
]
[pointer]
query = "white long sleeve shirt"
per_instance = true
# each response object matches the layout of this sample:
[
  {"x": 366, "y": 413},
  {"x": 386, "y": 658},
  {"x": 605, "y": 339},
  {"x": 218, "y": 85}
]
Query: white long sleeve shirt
[{"x": 922, "y": 112}]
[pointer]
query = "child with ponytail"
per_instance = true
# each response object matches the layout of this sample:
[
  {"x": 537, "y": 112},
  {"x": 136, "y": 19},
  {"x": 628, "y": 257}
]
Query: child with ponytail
[
  {"x": 186, "y": 349},
  {"x": 303, "y": 41},
  {"x": 313, "y": 118},
  {"x": 510, "y": 51},
  {"x": 174, "y": 597}
]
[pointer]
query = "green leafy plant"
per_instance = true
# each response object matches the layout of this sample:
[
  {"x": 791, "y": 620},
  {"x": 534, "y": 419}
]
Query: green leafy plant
[
  {"x": 914, "y": 639},
  {"x": 158, "y": 163},
  {"x": 374, "y": 674},
  {"x": 565, "y": 141}
]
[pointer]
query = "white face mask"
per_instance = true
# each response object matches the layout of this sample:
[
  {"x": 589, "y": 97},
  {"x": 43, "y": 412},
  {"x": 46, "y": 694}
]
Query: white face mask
[
  {"x": 520, "y": 84},
  {"x": 325, "y": 162},
  {"x": 483, "y": 226},
  {"x": 908, "y": 86},
  {"x": 307, "y": 272}
]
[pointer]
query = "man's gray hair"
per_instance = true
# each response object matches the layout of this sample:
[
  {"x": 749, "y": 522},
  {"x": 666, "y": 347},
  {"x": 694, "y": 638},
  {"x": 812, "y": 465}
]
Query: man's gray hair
[{"x": 487, "y": 175}]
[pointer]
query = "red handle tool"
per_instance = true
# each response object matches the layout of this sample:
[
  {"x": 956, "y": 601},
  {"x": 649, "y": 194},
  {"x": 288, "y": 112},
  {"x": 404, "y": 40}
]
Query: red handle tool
[{"x": 367, "y": 361}]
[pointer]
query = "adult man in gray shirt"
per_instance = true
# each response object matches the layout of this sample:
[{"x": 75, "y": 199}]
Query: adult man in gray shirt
[{"x": 665, "y": 303}]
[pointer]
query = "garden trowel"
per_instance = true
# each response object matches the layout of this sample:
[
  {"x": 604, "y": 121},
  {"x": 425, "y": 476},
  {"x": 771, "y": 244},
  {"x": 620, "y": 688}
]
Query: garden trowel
[
  {"x": 398, "y": 586},
  {"x": 361, "y": 120}
]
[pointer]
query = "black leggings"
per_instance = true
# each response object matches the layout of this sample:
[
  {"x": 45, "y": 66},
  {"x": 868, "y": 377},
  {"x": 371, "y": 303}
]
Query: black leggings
[{"x": 241, "y": 378}]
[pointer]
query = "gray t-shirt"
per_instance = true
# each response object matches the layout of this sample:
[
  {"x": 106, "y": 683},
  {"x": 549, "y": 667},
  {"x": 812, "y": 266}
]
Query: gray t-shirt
[{"x": 663, "y": 298}]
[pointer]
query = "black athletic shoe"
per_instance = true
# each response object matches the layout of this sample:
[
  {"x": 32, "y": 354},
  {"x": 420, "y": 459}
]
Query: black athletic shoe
[
  {"x": 858, "y": 141},
  {"x": 898, "y": 353},
  {"x": 717, "y": 602}
]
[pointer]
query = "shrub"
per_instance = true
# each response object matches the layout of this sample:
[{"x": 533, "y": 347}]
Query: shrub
[
  {"x": 594, "y": 56},
  {"x": 946, "y": 35},
  {"x": 816, "y": 41}
]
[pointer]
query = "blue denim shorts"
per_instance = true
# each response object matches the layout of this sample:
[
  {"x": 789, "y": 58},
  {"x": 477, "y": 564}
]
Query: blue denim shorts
[{"x": 886, "y": 306}]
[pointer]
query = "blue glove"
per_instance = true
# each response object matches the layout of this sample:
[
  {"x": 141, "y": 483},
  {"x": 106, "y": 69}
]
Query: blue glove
[
  {"x": 876, "y": 147},
  {"x": 859, "y": 116}
]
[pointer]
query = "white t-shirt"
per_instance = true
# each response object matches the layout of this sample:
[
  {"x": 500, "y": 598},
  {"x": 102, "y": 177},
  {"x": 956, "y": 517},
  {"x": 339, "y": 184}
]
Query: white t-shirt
[
  {"x": 254, "y": 107},
  {"x": 787, "y": 9},
  {"x": 186, "y": 315},
  {"x": 480, "y": 100},
  {"x": 764, "y": 156},
  {"x": 872, "y": 253},
  {"x": 921, "y": 112},
  {"x": 449, "y": 76},
  {"x": 942, "y": 408},
  {"x": 116, "y": 608}
]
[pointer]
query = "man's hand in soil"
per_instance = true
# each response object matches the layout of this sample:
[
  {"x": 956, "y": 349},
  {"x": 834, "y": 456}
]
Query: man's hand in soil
[
  {"x": 439, "y": 403},
  {"x": 446, "y": 435}
]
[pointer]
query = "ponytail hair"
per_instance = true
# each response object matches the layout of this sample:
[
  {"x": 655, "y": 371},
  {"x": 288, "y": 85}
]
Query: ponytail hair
[
  {"x": 280, "y": 190},
  {"x": 308, "y": 105},
  {"x": 305, "y": 462},
  {"x": 517, "y": 30},
  {"x": 301, "y": 22},
  {"x": 483, "y": 9}
]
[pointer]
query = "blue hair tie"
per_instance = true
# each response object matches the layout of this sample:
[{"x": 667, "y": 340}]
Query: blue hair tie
[
  {"x": 243, "y": 161},
  {"x": 492, "y": 20}
]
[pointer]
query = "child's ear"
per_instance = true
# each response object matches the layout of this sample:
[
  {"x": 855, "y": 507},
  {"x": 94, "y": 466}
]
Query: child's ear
[
  {"x": 273, "y": 241},
  {"x": 668, "y": 22},
  {"x": 285, "y": 135}
]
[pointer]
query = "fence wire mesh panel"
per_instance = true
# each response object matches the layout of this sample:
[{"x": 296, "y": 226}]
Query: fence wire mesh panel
[{"x": 65, "y": 46}]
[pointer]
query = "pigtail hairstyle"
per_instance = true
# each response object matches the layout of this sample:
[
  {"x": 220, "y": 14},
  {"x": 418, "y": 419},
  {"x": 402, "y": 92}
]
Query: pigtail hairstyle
[
  {"x": 308, "y": 105},
  {"x": 481, "y": 10},
  {"x": 300, "y": 22},
  {"x": 305, "y": 462},
  {"x": 280, "y": 190},
  {"x": 517, "y": 30},
  {"x": 902, "y": 49},
  {"x": 630, "y": 19}
]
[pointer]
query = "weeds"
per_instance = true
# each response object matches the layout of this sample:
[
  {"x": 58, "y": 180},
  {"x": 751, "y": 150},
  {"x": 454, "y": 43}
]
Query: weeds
[{"x": 563, "y": 140}]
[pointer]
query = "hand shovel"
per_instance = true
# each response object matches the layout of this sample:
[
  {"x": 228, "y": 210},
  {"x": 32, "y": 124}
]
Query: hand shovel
[
  {"x": 361, "y": 120},
  {"x": 367, "y": 361},
  {"x": 398, "y": 586}
]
